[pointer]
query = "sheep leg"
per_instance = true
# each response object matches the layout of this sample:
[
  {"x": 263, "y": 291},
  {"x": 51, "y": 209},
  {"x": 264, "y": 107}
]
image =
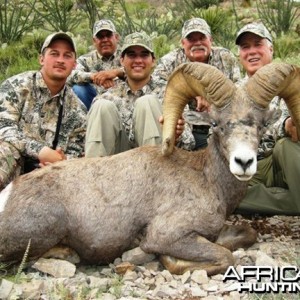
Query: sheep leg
[
  {"x": 44, "y": 225},
  {"x": 233, "y": 237},
  {"x": 191, "y": 253}
]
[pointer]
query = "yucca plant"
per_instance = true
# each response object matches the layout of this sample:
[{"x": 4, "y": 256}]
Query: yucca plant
[{"x": 215, "y": 17}]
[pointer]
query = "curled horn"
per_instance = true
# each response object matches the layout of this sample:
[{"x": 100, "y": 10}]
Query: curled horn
[
  {"x": 278, "y": 79},
  {"x": 186, "y": 82}
]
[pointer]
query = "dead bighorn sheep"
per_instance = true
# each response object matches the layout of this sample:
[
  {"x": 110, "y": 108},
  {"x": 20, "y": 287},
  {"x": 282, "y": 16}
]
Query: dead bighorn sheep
[{"x": 97, "y": 206}]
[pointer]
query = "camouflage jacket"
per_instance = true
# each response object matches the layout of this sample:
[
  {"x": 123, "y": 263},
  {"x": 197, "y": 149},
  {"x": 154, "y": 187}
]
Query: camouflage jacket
[
  {"x": 276, "y": 130},
  {"x": 28, "y": 116},
  {"x": 93, "y": 62},
  {"x": 220, "y": 58},
  {"x": 124, "y": 98}
]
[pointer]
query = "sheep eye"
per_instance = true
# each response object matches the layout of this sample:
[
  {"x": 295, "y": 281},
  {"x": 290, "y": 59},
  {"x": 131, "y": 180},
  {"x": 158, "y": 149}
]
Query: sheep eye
[{"x": 213, "y": 124}]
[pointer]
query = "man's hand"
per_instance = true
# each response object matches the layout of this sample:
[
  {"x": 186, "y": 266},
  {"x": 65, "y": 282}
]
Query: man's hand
[
  {"x": 179, "y": 126},
  {"x": 202, "y": 104},
  {"x": 291, "y": 129},
  {"x": 106, "y": 78},
  {"x": 48, "y": 156}
]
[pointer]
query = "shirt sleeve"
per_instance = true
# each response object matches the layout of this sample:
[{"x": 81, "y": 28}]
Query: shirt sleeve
[
  {"x": 165, "y": 66},
  {"x": 12, "y": 99},
  {"x": 279, "y": 125},
  {"x": 82, "y": 72},
  {"x": 73, "y": 128}
]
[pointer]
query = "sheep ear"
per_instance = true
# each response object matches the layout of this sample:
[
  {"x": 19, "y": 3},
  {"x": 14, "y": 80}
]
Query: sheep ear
[{"x": 197, "y": 118}]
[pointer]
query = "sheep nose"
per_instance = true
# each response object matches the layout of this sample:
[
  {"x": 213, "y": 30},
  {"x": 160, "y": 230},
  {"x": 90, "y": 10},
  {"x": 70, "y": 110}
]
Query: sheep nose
[{"x": 245, "y": 164}]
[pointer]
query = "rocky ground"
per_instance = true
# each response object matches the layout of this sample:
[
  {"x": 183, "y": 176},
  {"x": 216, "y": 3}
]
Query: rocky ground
[{"x": 139, "y": 276}]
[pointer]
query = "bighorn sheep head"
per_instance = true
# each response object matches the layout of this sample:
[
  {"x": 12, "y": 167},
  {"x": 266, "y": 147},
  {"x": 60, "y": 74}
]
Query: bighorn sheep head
[{"x": 197, "y": 79}]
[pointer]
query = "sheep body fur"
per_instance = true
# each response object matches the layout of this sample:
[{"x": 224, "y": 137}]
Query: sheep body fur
[{"x": 98, "y": 206}]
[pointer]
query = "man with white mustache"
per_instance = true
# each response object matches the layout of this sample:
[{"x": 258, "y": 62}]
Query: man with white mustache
[{"x": 196, "y": 42}]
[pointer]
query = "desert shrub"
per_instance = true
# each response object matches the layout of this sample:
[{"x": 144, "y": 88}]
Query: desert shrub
[
  {"x": 128, "y": 18},
  {"x": 221, "y": 23},
  {"x": 215, "y": 17},
  {"x": 162, "y": 45},
  {"x": 286, "y": 46},
  {"x": 92, "y": 9},
  {"x": 201, "y": 3},
  {"x": 278, "y": 15},
  {"x": 59, "y": 15},
  {"x": 166, "y": 24},
  {"x": 16, "y": 19},
  {"x": 18, "y": 57}
]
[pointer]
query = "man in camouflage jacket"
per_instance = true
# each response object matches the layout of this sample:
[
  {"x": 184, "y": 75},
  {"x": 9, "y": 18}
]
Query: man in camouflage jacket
[
  {"x": 29, "y": 108},
  {"x": 274, "y": 189},
  {"x": 127, "y": 115},
  {"x": 196, "y": 41},
  {"x": 96, "y": 70}
]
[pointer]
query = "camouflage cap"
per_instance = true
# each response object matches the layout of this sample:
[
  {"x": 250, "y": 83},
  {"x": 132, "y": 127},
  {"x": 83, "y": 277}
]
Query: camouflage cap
[
  {"x": 256, "y": 28},
  {"x": 138, "y": 39},
  {"x": 195, "y": 25},
  {"x": 58, "y": 36},
  {"x": 103, "y": 25}
]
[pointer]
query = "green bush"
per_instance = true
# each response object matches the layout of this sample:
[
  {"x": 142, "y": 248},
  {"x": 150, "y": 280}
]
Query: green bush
[
  {"x": 162, "y": 45},
  {"x": 16, "y": 19},
  {"x": 286, "y": 46},
  {"x": 201, "y": 3},
  {"x": 91, "y": 9},
  {"x": 20, "y": 56},
  {"x": 278, "y": 15},
  {"x": 58, "y": 15},
  {"x": 20, "y": 49}
]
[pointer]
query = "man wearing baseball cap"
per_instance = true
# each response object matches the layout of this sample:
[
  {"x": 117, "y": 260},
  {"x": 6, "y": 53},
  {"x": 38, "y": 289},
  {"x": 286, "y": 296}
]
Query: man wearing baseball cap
[
  {"x": 196, "y": 46},
  {"x": 126, "y": 116},
  {"x": 274, "y": 189},
  {"x": 246, "y": 38},
  {"x": 96, "y": 70},
  {"x": 58, "y": 36},
  {"x": 33, "y": 105}
]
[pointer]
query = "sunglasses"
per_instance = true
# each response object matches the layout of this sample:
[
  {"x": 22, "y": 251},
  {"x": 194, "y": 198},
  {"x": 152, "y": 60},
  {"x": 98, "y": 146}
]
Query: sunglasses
[{"x": 102, "y": 35}]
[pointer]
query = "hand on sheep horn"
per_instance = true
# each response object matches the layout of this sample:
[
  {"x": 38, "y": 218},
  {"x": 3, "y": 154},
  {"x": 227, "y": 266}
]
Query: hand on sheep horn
[{"x": 179, "y": 126}]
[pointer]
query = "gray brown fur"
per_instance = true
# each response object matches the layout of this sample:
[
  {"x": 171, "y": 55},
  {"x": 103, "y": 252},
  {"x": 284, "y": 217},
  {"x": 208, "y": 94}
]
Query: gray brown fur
[{"x": 98, "y": 206}]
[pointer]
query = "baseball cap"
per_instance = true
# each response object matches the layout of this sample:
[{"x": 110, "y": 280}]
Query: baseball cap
[
  {"x": 103, "y": 25},
  {"x": 256, "y": 28},
  {"x": 137, "y": 39},
  {"x": 195, "y": 25},
  {"x": 58, "y": 36}
]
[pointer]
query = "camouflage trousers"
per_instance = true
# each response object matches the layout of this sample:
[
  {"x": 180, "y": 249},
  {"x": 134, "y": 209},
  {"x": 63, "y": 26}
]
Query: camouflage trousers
[{"x": 10, "y": 164}]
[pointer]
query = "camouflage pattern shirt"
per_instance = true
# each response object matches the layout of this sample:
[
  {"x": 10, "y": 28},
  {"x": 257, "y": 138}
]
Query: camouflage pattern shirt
[
  {"x": 93, "y": 62},
  {"x": 124, "y": 99},
  {"x": 274, "y": 131},
  {"x": 220, "y": 58},
  {"x": 28, "y": 116}
]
